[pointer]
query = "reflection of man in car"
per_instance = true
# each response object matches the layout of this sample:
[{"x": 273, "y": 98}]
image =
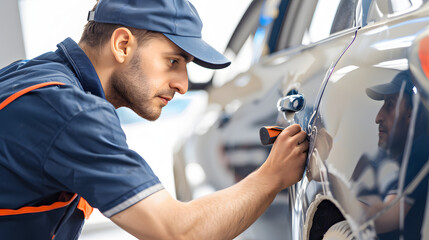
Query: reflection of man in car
[
  {"x": 394, "y": 120},
  {"x": 394, "y": 117}
]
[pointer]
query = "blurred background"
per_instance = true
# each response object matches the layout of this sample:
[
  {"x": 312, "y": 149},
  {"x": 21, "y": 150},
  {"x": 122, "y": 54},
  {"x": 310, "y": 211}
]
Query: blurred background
[{"x": 33, "y": 27}]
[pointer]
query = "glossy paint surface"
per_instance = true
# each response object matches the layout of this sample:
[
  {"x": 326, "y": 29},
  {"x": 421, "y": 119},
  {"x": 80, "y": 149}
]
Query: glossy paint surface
[{"x": 369, "y": 133}]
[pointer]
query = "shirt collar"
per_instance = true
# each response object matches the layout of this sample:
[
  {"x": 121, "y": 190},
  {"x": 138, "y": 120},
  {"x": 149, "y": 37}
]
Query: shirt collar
[{"x": 82, "y": 66}]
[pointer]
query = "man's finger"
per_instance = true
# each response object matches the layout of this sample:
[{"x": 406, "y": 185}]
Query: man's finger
[
  {"x": 301, "y": 137},
  {"x": 292, "y": 130},
  {"x": 304, "y": 146}
]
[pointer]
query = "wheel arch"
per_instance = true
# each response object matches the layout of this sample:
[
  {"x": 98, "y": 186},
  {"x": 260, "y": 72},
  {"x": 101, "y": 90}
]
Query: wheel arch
[{"x": 322, "y": 213}]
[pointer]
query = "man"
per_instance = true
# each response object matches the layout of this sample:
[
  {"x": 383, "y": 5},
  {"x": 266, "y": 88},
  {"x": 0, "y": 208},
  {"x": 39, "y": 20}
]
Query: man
[
  {"x": 394, "y": 120},
  {"x": 61, "y": 140}
]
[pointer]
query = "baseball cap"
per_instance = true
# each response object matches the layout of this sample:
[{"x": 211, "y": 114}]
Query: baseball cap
[
  {"x": 378, "y": 92},
  {"x": 178, "y": 20}
]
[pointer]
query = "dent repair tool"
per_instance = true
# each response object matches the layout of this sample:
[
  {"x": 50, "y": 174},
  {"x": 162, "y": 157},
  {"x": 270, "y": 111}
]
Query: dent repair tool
[{"x": 269, "y": 134}]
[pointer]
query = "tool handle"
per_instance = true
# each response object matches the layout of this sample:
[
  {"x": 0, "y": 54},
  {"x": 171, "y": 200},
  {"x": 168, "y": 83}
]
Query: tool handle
[{"x": 268, "y": 134}]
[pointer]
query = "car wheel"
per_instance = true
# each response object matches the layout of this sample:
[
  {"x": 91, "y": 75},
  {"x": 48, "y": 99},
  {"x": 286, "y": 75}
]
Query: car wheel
[{"x": 339, "y": 231}]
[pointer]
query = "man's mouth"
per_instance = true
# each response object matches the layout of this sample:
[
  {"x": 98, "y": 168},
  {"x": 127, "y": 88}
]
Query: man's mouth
[
  {"x": 165, "y": 99},
  {"x": 382, "y": 130}
]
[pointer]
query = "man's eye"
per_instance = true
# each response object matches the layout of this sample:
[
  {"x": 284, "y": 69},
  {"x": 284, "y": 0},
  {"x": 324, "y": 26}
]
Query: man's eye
[
  {"x": 390, "y": 105},
  {"x": 173, "y": 61}
]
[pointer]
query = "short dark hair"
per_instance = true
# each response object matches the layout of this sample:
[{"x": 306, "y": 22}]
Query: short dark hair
[{"x": 96, "y": 34}]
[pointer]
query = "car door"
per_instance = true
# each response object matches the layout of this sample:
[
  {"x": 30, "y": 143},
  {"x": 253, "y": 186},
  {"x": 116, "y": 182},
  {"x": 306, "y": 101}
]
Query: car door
[
  {"x": 369, "y": 133},
  {"x": 306, "y": 73}
]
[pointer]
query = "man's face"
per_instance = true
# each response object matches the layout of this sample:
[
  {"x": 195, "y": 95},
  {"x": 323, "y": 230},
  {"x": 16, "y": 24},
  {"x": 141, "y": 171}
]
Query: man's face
[
  {"x": 149, "y": 81},
  {"x": 392, "y": 135}
]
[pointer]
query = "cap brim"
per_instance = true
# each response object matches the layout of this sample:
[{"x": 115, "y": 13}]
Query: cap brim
[
  {"x": 204, "y": 55},
  {"x": 378, "y": 92}
]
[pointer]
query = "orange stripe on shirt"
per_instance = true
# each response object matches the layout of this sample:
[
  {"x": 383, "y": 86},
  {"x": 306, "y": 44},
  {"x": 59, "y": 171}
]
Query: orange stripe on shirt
[
  {"x": 44, "y": 208},
  {"x": 26, "y": 90}
]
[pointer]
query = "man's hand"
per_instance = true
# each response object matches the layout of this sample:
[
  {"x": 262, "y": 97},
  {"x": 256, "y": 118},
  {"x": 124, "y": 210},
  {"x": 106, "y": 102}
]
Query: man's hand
[
  {"x": 285, "y": 164},
  {"x": 226, "y": 213}
]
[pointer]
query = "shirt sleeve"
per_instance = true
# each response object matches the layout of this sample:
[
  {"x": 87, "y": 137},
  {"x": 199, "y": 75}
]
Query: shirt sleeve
[{"x": 89, "y": 156}]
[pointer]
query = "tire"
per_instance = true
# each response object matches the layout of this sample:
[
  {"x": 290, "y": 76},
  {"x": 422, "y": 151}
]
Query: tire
[{"x": 339, "y": 231}]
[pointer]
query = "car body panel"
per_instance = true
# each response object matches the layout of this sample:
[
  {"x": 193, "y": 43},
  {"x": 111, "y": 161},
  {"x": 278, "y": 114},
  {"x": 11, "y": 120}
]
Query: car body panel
[{"x": 347, "y": 129}]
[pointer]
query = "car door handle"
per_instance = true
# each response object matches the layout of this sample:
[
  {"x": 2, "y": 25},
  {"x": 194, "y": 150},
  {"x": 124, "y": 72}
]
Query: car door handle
[{"x": 291, "y": 103}]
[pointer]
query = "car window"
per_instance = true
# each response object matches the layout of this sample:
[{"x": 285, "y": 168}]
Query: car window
[
  {"x": 321, "y": 22},
  {"x": 240, "y": 50},
  {"x": 330, "y": 16},
  {"x": 307, "y": 22},
  {"x": 382, "y": 9},
  {"x": 248, "y": 42},
  {"x": 217, "y": 31}
]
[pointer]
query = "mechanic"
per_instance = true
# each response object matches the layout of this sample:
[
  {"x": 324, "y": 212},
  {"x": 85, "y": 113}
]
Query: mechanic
[{"x": 63, "y": 150}]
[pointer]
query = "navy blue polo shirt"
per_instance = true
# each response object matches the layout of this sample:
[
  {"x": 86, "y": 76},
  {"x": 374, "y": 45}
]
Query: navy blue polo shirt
[{"x": 66, "y": 138}]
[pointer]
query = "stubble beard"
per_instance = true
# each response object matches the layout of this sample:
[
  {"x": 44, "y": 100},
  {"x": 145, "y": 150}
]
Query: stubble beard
[
  {"x": 130, "y": 88},
  {"x": 395, "y": 143}
]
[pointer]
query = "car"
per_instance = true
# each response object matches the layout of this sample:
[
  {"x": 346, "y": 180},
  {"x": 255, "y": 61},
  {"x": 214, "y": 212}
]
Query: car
[
  {"x": 225, "y": 146},
  {"x": 367, "y": 123},
  {"x": 355, "y": 78}
]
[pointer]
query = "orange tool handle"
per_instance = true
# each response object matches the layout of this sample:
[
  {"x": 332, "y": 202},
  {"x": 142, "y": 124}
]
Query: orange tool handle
[{"x": 269, "y": 134}]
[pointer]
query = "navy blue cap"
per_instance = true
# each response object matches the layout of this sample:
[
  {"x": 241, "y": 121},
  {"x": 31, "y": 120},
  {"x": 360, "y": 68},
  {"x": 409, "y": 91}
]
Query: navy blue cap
[
  {"x": 178, "y": 20},
  {"x": 378, "y": 92}
]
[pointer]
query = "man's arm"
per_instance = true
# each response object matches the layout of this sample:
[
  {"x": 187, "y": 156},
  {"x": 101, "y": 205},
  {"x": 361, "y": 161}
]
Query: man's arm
[{"x": 226, "y": 213}]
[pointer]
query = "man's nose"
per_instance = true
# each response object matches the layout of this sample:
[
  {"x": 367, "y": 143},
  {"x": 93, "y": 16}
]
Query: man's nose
[
  {"x": 180, "y": 82},
  {"x": 379, "y": 117}
]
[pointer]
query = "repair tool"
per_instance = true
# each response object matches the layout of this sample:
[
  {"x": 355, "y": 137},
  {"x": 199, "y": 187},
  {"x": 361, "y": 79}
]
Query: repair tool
[{"x": 268, "y": 134}]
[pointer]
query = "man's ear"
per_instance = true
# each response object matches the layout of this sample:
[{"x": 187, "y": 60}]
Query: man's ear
[{"x": 122, "y": 44}]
